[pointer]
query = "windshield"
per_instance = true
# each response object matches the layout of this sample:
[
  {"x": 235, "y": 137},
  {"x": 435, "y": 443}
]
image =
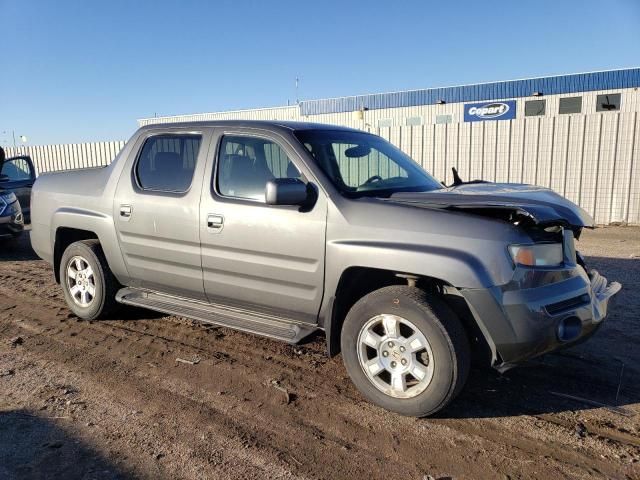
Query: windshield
[{"x": 359, "y": 163}]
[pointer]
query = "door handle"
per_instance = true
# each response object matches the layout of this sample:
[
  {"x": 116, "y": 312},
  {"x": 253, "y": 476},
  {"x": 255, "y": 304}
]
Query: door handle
[
  {"x": 125, "y": 212},
  {"x": 215, "y": 222}
]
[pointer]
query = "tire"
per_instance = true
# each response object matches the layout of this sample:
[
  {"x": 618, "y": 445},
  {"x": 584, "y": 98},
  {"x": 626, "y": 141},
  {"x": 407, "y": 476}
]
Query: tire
[
  {"x": 443, "y": 363},
  {"x": 105, "y": 286}
]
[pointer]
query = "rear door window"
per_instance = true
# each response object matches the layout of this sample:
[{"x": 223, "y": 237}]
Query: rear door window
[{"x": 167, "y": 162}]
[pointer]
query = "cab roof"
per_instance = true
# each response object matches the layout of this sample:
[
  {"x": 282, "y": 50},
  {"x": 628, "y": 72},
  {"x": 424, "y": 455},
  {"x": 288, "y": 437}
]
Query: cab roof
[{"x": 274, "y": 125}]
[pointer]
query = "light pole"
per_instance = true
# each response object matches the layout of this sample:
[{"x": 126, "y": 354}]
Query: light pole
[
  {"x": 23, "y": 138},
  {"x": 23, "y": 147}
]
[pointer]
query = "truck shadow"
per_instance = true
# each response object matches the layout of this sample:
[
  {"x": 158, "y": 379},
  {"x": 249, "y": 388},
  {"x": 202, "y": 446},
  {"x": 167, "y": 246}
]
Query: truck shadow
[
  {"x": 554, "y": 383},
  {"x": 32, "y": 446},
  {"x": 17, "y": 250},
  {"x": 603, "y": 370}
]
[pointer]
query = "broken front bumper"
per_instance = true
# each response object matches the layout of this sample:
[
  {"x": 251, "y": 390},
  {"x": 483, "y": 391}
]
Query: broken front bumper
[
  {"x": 556, "y": 309},
  {"x": 602, "y": 292}
]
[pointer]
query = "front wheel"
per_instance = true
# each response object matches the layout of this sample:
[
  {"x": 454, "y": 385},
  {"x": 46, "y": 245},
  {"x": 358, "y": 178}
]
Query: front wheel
[
  {"x": 405, "y": 350},
  {"x": 88, "y": 284}
]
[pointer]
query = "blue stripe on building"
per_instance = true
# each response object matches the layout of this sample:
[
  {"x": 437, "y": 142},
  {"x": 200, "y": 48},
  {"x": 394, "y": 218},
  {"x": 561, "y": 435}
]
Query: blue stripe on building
[{"x": 580, "y": 82}]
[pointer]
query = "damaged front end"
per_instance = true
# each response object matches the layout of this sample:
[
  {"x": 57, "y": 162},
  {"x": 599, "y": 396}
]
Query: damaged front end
[
  {"x": 516, "y": 203},
  {"x": 552, "y": 299}
]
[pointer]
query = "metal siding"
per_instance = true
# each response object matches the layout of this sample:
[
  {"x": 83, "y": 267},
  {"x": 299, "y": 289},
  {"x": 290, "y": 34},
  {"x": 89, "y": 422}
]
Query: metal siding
[
  {"x": 591, "y": 159},
  {"x": 49, "y": 158},
  {"x": 581, "y": 82}
]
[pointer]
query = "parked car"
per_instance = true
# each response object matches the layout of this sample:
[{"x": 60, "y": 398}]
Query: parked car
[
  {"x": 11, "y": 217},
  {"x": 17, "y": 174},
  {"x": 282, "y": 229}
]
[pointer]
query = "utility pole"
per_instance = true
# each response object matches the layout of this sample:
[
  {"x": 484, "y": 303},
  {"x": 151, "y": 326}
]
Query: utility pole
[{"x": 13, "y": 132}]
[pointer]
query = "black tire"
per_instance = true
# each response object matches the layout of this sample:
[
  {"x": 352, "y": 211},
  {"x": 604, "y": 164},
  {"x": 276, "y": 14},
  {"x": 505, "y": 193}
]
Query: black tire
[
  {"x": 442, "y": 329},
  {"x": 106, "y": 285}
]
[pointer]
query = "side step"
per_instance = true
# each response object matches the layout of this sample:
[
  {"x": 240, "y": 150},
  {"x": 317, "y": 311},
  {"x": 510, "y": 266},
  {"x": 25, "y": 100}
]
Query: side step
[{"x": 270, "y": 326}]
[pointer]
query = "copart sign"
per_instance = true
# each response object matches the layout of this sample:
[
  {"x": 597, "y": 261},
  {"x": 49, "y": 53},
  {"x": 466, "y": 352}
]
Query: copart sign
[{"x": 478, "y": 112}]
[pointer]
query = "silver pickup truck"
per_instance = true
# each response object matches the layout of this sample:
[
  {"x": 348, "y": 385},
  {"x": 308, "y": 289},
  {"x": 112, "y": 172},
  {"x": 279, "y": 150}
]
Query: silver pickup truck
[{"x": 282, "y": 229}]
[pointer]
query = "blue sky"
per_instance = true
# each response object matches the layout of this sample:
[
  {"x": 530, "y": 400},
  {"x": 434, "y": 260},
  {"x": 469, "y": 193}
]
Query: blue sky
[{"x": 77, "y": 71}]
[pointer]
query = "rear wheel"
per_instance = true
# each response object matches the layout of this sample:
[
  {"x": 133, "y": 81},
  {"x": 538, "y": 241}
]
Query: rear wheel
[
  {"x": 405, "y": 350},
  {"x": 88, "y": 284}
]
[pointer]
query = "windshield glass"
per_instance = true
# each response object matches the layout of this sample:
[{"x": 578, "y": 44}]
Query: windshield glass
[{"x": 359, "y": 163}]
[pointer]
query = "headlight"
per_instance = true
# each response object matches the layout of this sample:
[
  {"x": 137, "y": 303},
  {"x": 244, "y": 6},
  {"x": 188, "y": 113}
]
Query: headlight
[
  {"x": 537, "y": 255},
  {"x": 6, "y": 199}
]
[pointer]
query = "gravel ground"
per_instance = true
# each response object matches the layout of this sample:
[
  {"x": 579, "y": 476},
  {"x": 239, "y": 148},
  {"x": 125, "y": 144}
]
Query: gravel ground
[{"x": 108, "y": 400}]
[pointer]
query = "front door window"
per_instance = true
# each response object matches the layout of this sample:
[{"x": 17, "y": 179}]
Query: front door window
[{"x": 246, "y": 164}]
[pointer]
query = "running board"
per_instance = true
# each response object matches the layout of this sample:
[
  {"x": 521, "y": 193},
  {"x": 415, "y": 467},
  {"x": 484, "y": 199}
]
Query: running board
[{"x": 270, "y": 326}]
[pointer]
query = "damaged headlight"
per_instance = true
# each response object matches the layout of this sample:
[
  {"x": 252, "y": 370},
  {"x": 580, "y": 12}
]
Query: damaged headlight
[{"x": 537, "y": 255}]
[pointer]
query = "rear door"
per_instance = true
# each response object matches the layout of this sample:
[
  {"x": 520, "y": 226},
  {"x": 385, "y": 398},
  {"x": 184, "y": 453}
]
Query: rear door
[
  {"x": 255, "y": 256},
  {"x": 156, "y": 211},
  {"x": 19, "y": 177}
]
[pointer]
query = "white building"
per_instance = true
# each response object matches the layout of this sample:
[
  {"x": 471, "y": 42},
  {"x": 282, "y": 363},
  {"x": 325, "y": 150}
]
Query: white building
[{"x": 577, "y": 134}]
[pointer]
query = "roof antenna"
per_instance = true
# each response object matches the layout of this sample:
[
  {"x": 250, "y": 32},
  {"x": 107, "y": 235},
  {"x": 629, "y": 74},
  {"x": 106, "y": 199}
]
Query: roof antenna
[{"x": 456, "y": 178}]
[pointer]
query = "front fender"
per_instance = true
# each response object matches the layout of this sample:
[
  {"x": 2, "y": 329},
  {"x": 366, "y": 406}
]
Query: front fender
[{"x": 455, "y": 266}]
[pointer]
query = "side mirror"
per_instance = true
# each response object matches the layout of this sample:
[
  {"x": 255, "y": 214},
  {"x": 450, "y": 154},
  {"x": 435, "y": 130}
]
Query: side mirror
[{"x": 286, "y": 191}]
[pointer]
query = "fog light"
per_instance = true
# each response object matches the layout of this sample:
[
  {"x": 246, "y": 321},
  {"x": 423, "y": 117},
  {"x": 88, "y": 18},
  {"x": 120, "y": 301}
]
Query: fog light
[{"x": 569, "y": 329}]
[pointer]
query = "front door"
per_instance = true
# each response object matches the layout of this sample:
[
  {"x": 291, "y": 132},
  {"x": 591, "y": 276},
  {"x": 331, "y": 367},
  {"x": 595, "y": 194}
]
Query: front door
[
  {"x": 257, "y": 256},
  {"x": 19, "y": 176},
  {"x": 156, "y": 211}
]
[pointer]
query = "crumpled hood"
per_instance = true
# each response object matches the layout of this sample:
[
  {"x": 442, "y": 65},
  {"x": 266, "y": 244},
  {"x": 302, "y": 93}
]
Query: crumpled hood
[{"x": 541, "y": 205}]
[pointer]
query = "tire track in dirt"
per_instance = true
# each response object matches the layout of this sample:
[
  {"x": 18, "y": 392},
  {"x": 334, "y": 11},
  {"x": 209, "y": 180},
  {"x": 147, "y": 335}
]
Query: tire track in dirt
[
  {"x": 223, "y": 418},
  {"x": 110, "y": 337}
]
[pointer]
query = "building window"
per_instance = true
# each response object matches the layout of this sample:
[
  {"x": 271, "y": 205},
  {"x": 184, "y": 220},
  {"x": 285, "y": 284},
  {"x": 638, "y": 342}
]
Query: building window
[
  {"x": 533, "y": 108},
  {"x": 413, "y": 121},
  {"x": 570, "y": 105},
  {"x": 443, "y": 119},
  {"x": 385, "y": 122},
  {"x": 609, "y": 102}
]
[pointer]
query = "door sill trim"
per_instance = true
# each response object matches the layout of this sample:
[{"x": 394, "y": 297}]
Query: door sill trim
[{"x": 281, "y": 328}]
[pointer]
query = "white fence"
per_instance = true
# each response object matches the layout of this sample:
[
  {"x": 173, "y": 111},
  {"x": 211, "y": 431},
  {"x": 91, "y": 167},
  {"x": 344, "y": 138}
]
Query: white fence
[
  {"x": 590, "y": 159},
  {"x": 50, "y": 158},
  {"x": 593, "y": 160}
]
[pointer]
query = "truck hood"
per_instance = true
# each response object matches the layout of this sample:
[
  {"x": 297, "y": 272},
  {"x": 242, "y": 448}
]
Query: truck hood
[{"x": 537, "y": 204}]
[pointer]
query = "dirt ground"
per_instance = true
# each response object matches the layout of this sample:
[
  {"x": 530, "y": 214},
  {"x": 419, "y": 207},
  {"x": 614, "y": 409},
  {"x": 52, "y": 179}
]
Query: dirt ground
[{"x": 108, "y": 399}]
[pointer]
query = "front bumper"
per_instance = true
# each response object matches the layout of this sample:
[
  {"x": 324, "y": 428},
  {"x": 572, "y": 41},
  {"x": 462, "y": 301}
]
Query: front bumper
[
  {"x": 521, "y": 323},
  {"x": 11, "y": 221}
]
